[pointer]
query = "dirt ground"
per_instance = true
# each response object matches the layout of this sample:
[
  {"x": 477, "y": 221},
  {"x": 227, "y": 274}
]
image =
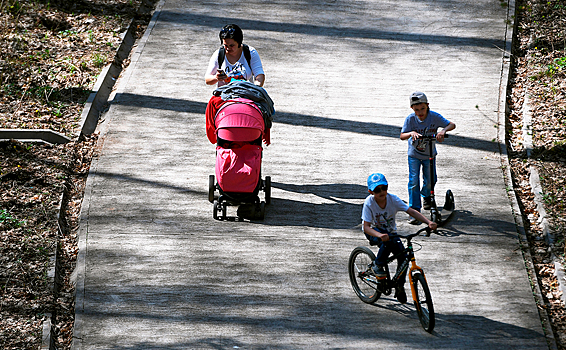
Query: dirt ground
[{"x": 50, "y": 55}]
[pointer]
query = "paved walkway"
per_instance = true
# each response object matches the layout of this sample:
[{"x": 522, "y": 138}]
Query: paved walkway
[{"x": 157, "y": 272}]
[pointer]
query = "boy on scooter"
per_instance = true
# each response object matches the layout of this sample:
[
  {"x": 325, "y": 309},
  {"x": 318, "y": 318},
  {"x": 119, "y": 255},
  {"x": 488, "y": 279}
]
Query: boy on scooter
[
  {"x": 378, "y": 222},
  {"x": 422, "y": 122}
]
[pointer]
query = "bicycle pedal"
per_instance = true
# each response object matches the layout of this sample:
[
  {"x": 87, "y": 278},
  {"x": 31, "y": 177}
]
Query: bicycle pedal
[{"x": 382, "y": 286}]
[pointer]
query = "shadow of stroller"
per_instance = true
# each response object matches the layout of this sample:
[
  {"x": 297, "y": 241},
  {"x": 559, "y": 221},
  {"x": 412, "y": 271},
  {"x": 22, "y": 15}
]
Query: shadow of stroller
[{"x": 341, "y": 210}]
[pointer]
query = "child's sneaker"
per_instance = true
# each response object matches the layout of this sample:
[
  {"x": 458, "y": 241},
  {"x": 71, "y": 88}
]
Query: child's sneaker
[
  {"x": 414, "y": 221},
  {"x": 378, "y": 270}
]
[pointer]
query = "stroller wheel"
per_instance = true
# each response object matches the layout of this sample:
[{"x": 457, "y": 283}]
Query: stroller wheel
[
  {"x": 262, "y": 210},
  {"x": 215, "y": 211},
  {"x": 267, "y": 190},
  {"x": 211, "y": 188}
]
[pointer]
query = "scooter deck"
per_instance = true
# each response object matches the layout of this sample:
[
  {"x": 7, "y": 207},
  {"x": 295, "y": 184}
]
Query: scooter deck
[
  {"x": 448, "y": 209},
  {"x": 445, "y": 215}
]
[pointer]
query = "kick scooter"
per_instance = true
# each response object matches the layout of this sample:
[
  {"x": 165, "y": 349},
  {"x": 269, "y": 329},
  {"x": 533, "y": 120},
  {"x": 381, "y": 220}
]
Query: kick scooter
[{"x": 438, "y": 215}]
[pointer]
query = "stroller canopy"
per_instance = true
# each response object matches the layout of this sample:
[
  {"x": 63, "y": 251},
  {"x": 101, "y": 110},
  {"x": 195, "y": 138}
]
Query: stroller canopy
[
  {"x": 239, "y": 121},
  {"x": 239, "y": 114}
]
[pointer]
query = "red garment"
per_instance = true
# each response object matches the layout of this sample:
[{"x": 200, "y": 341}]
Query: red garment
[{"x": 212, "y": 107}]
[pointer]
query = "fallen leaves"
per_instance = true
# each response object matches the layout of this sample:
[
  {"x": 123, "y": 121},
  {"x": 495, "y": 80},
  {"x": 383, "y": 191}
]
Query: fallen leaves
[
  {"x": 537, "y": 91},
  {"x": 51, "y": 53}
]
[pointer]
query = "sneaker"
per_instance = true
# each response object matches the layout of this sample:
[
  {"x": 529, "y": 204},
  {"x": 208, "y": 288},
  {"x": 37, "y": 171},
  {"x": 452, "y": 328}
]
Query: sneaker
[
  {"x": 400, "y": 294},
  {"x": 378, "y": 270},
  {"x": 427, "y": 203},
  {"x": 413, "y": 221}
]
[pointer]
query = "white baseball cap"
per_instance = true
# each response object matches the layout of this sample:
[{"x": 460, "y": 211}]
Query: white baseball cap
[{"x": 418, "y": 97}]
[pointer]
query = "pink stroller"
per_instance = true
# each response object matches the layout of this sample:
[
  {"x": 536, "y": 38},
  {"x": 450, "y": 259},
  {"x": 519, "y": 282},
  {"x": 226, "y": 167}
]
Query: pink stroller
[{"x": 240, "y": 129}]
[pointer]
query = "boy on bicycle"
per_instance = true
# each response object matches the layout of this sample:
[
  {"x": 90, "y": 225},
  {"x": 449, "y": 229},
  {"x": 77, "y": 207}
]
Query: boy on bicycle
[
  {"x": 421, "y": 122},
  {"x": 378, "y": 222}
]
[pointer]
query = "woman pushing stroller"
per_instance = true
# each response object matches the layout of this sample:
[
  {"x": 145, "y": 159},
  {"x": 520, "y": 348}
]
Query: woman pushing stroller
[{"x": 238, "y": 119}]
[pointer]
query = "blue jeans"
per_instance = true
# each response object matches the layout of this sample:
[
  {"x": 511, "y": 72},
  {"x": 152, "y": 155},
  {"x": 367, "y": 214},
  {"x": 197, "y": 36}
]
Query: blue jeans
[
  {"x": 392, "y": 246},
  {"x": 415, "y": 191}
]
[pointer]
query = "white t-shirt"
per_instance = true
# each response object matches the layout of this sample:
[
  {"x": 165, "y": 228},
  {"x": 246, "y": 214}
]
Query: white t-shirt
[
  {"x": 240, "y": 67},
  {"x": 383, "y": 220}
]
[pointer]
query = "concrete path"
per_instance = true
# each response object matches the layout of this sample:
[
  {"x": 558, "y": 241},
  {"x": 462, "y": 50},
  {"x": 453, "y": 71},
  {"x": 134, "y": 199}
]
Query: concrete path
[{"x": 156, "y": 271}]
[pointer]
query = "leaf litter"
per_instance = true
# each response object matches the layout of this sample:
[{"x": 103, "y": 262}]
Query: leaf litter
[
  {"x": 51, "y": 53},
  {"x": 538, "y": 89}
]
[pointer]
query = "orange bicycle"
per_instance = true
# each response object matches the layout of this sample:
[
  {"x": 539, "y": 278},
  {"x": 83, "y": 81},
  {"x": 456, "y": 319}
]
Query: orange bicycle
[{"x": 368, "y": 288}]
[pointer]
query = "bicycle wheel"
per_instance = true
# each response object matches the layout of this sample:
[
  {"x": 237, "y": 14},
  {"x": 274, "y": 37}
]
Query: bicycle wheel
[
  {"x": 362, "y": 279},
  {"x": 423, "y": 302}
]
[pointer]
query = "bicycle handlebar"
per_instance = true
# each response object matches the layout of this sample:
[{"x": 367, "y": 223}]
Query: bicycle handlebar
[{"x": 428, "y": 230}]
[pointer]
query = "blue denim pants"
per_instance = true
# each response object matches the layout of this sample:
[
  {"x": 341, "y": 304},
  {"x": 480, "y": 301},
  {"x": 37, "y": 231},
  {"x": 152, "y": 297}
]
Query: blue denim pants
[
  {"x": 415, "y": 191},
  {"x": 392, "y": 246}
]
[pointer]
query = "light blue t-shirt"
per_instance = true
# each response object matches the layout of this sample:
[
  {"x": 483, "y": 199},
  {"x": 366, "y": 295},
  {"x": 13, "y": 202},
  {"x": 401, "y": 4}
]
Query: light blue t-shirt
[
  {"x": 433, "y": 121},
  {"x": 383, "y": 220}
]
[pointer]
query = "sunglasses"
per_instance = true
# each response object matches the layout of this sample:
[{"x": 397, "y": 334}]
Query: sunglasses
[
  {"x": 227, "y": 32},
  {"x": 380, "y": 188}
]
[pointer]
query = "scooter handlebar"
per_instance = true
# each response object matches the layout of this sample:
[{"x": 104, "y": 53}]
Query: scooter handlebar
[{"x": 432, "y": 137}]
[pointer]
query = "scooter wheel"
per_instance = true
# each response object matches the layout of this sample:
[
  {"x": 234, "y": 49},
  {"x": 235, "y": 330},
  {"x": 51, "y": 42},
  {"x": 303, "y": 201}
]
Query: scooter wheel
[
  {"x": 449, "y": 201},
  {"x": 436, "y": 217}
]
